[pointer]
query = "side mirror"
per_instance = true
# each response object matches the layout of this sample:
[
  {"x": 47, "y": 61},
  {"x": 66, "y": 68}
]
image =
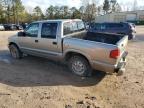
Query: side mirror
[{"x": 21, "y": 34}]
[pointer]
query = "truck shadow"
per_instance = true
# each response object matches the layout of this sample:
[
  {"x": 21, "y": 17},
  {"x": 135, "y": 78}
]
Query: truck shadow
[{"x": 34, "y": 71}]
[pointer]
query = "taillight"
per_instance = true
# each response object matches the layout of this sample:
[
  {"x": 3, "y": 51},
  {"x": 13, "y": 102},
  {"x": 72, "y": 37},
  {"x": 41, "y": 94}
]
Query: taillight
[{"x": 115, "y": 53}]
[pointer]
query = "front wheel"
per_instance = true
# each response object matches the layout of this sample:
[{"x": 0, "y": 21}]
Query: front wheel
[
  {"x": 15, "y": 52},
  {"x": 80, "y": 66}
]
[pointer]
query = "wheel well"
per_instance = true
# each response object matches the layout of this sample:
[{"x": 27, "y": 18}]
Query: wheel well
[
  {"x": 12, "y": 43},
  {"x": 70, "y": 54}
]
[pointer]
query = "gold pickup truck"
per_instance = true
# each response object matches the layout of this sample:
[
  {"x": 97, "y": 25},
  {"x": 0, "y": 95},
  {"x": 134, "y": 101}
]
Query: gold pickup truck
[{"x": 68, "y": 41}]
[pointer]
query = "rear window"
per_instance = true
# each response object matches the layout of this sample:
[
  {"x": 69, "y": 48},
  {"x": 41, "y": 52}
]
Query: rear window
[
  {"x": 71, "y": 27},
  {"x": 67, "y": 28}
]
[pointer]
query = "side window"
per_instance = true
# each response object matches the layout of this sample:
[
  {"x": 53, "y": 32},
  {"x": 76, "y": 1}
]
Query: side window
[
  {"x": 112, "y": 26},
  {"x": 67, "y": 28},
  {"x": 75, "y": 26},
  {"x": 49, "y": 30},
  {"x": 32, "y": 30}
]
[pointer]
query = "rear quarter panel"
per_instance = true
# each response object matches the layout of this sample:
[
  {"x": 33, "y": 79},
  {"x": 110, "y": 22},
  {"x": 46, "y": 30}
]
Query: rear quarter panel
[{"x": 93, "y": 51}]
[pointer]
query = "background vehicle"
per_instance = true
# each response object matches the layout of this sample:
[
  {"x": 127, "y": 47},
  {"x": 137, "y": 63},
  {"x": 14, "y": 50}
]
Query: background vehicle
[
  {"x": 24, "y": 25},
  {"x": 19, "y": 27},
  {"x": 10, "y": 27},
  {"x": 13, "y": 27},
  {"x": 68, "y": 41},
  {"x": 133, "y": 25},
  {"x": 7, "y": 27},
  {"x": 2, "y": 27},
  {"x": 119, "y": 28}
]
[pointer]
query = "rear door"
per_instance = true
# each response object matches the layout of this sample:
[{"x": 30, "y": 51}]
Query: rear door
[{"x": 48, "y": 41}]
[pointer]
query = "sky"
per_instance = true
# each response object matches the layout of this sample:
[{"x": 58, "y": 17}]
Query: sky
[{"x": 30, "y": 4}]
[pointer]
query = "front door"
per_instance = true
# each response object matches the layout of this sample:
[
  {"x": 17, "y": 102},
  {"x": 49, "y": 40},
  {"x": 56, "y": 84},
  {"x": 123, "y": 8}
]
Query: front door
[{"x": 28, "y": 43}]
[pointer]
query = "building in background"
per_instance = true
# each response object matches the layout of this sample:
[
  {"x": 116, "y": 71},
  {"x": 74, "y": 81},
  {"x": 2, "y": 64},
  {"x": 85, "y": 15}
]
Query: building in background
[{"x": 130, "y": 16}]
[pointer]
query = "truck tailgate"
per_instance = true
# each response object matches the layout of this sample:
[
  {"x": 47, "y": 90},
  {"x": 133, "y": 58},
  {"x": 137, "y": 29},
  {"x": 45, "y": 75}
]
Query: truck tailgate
[{"x": 122, "y": 45}]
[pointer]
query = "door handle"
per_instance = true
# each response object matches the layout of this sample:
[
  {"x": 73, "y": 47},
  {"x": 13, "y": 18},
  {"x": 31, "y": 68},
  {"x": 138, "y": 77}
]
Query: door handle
[
  {"x": 54, "y": 43},
  {"x": 36, "y": 41}
]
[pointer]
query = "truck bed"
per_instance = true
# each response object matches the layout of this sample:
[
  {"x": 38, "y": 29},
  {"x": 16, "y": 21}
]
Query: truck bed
[{"x": 99, "y": 37}]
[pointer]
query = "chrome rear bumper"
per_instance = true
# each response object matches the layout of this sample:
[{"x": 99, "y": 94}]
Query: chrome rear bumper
[{"x": 120, "y": 69}]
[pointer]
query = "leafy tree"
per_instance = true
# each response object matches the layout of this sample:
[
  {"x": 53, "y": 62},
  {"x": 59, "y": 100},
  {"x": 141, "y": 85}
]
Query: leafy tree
[
  {"x": 26, "y": 17},
  {"x": 14, "y": 12},
  {"x": 72, "y": 10},
  {"x": 38, "y": 15},
  {"x": 50, "y": 12},
  {"x": 90, "y": 13},
  {"x": 82, "y": 10},
  {"x": 18, "y": 10},
  {"x": 66, "y": 9},
  {"x": 64, "y": 12},
  {"x": 75, "y": 13},
  {"x": 106, "y": 6},
  {"x": 5, "y": 5},
  {"x": 1, "y": 15},
  {"x": 99, "y": 10},
  {"x": 115, "y": 7},
  {"x": 57, "y": 14},
  {"x": 93, "y": 11}
]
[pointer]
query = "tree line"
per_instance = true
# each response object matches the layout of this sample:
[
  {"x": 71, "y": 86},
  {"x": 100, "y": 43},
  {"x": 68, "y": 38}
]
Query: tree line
[{"x": 13, "y": 11}]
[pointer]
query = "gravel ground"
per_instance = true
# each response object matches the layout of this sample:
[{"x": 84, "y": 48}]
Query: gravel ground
[{"x": 34, "y": 82}]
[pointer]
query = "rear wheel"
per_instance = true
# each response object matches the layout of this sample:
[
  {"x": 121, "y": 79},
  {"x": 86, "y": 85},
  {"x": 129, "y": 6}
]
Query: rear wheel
[
  {"x": 80, "y": 66},
  {"x": 15, "y": 52}
]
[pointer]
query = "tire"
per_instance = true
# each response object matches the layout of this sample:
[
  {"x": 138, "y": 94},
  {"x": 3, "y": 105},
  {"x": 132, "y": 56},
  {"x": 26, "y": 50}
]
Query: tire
[
  {"x": 15, "y": 52},
  {"x": 79, "y": 66}
]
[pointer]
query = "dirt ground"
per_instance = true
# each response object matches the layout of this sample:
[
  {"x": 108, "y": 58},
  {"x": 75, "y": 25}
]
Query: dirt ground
[{"x": 34, "y": 82}]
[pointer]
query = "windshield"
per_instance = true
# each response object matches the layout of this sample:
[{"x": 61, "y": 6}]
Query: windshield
[{"x": 72, "y": 27}]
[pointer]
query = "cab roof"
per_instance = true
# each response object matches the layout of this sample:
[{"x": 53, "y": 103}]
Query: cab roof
[{"x": 58, "y": 20}]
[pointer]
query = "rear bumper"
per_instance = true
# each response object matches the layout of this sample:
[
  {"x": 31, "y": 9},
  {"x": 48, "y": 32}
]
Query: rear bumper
[{"x": 118, "y": 68}]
